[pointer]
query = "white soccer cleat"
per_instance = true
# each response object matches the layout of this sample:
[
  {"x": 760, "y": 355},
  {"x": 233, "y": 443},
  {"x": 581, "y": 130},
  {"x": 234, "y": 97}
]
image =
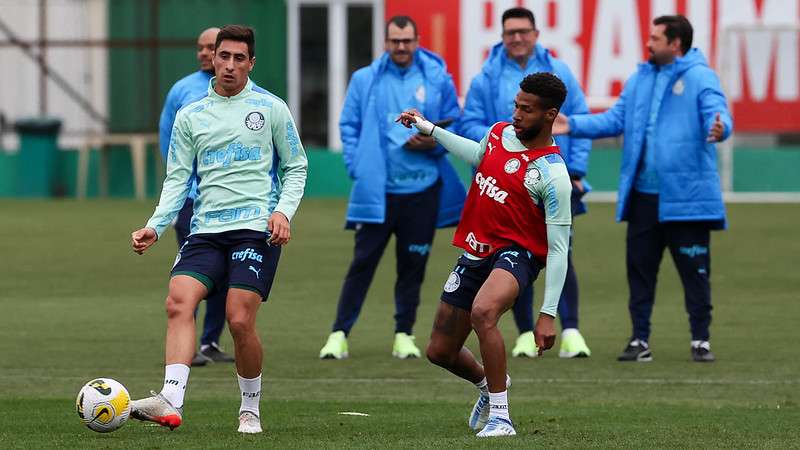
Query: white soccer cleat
[
  {"x": 249, "y": 423},
  {"x": 497, "y": 426},
  {"x": 480, "y": 412},
  {"x": 157, "y": 409}
]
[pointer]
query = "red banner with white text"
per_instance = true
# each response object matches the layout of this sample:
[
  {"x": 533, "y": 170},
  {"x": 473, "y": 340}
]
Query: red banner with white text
[{"x": 754, "y": 45}]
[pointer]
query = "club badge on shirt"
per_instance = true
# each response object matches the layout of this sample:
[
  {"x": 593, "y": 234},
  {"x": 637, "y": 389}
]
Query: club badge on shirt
[
  {"x": 678, "y": 87},
  {"x": 512, "y": 165},
  {"x": 533, "y": 176},
  {"x": 420, "y": 93},
  {"x": 254, "y": 121}
]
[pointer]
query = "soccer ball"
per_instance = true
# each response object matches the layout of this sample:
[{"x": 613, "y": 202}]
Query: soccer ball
[{"x": 103, "y": 405}]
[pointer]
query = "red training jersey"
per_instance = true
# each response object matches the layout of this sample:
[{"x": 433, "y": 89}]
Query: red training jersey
[{"x": 499, "y": 211}]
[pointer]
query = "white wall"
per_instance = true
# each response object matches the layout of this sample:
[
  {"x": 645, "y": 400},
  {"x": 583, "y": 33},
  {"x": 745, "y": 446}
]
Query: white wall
[{"x": 84, "y": 68}]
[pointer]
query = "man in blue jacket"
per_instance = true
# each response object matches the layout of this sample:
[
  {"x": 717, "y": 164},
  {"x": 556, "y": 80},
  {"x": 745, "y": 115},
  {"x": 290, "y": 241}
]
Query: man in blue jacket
[
  {"x": 183, "y": 92},
  {"x": 403, "y": 183},
  {"x": 672, "y": 111},
  {"x": 490, "y": 100}
]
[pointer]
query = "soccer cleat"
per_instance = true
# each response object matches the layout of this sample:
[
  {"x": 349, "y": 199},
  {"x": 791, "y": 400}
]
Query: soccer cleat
[
  {"x": 404, "y": 347},
  {"x": 636, "y": 351},
  {"x": 336, "y": 347},
  {"x": 525, "y": 346},
  {"x": 497, "y": 426},
  {"x": 249, "y": 423},
  {"x": 199, "y": 360},
  {"x": 702, "y": 352},
  {"x": 573, "y": 345},
  {"x": 480, "y": 412},
  {"x": 215, "y": 354},
  {"x": 157, "y": 409}
]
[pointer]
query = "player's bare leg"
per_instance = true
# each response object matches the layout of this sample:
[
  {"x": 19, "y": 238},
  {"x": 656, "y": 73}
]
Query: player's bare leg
[
  {"x": 241, "y": 308},
  {"x": 165, "y": 408},
  {"x": 451, "y": 327},
  {"x": 495, "y": 297},
  {"x": 185, "y": 293}
]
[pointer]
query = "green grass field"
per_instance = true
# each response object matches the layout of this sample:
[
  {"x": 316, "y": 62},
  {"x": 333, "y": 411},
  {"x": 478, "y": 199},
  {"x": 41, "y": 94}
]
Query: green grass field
[{"x": 76, "y": 303}]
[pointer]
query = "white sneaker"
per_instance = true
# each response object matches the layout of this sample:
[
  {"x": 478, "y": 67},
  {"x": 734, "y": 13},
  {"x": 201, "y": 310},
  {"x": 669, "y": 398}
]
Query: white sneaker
[
  {"x": 249, "y": 423},
  {"x": 497, "y": 426},
  {"x": 157, "y": 409},
  {"x": 480, "y": 412}
]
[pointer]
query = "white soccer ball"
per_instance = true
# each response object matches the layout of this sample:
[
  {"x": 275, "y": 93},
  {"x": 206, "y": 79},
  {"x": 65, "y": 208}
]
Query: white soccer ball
[{"x": 103, "y": 405}]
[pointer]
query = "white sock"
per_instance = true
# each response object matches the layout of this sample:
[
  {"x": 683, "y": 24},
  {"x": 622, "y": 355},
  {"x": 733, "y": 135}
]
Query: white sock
[
  {"x": 175, "y": 378},
  {"x": 483, "y": 386},
  {"x": 498, "y": 404},
  {"x": 251, "y": 393}
]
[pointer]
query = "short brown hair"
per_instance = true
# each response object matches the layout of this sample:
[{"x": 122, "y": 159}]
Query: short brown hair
[
  {"x": 400, "y": 22},
  {"x": 238, "y": 33}
]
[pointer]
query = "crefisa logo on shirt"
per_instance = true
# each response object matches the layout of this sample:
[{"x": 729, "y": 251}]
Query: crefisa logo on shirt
[
  {"x": 488, "y": 186},
  {"x": 254, "y": 121}
]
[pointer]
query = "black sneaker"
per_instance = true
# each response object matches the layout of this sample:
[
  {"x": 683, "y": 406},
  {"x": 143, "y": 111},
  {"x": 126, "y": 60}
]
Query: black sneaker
[
  {"x": 215, "y": 354},
  {"x": 199, "y": 360},
  {"x": 702, "y": 352},
  {"x": 636, "y": 351}
]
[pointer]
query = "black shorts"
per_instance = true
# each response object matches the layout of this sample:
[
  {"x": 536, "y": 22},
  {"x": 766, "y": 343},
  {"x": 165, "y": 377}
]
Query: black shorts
[
  {"x": 469, "y": 275},
  {"x": 233, "y": 259}
]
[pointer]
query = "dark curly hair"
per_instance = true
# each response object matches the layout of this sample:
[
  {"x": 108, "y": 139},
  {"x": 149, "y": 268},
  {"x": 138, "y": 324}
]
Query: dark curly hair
[{"x": 548, "y": 87}]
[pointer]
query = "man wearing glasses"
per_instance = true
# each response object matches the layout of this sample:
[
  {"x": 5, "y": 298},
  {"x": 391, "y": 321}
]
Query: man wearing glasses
[
  {"x": 490, "y": 99},
  {"x": 402, "y": 182}
]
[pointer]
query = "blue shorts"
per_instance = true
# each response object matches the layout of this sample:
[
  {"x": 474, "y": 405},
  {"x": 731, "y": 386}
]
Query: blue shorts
[
  {"x": 469, "y": 275},
  {"x": 233, "y": 259}
]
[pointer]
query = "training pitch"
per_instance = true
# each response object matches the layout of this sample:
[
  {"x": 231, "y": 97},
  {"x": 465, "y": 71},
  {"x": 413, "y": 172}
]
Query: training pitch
[{"x": 77, "y": 303}]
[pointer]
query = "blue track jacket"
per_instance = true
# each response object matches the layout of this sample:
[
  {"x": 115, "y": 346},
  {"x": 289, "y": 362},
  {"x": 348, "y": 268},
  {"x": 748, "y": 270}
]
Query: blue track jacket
[
  {"x": 183, "y": 92},
  {"x": 685, "y": 109},
  {"x": 363, "y": 132}
]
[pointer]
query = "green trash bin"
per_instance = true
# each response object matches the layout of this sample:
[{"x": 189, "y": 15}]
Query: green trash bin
[{"x": 38, "y": 155}]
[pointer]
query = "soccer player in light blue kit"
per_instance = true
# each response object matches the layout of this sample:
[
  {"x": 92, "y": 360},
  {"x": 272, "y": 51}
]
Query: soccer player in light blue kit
[
  {"x": 183, "y": 92},
  {"x": 235, "y": 139}
]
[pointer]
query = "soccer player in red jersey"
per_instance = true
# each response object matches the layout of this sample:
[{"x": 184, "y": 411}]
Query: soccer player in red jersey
[{"x": 515, "y": 221}]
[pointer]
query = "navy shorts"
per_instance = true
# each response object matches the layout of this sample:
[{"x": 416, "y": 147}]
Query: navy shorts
[
  {"x": 469, "y": 275},
  {"x": 233, "y": 259}
]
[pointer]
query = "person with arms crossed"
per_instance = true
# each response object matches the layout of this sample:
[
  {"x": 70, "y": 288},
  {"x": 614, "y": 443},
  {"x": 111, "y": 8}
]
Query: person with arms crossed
[
  {"x": 490, "y": 99},
  {"x": 672, "y": 112},
  {"x": 236, "y": 138},
  {"x": 185, "y": 91},
  {"x": 403, "y": 183},
  {"x": 516, "y": 220}
]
